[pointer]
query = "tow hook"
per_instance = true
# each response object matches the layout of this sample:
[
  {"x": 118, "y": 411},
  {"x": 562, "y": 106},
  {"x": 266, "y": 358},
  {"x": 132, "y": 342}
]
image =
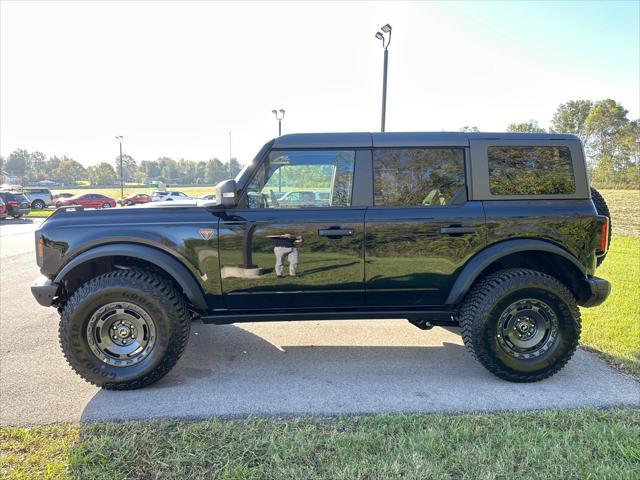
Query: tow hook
[{"x": 421, "y": 323}]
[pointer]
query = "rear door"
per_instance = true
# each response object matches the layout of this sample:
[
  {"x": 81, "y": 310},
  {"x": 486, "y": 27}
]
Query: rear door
[
  {"x": 280, "y": 256},
  {"x": 421, "y": 229}
]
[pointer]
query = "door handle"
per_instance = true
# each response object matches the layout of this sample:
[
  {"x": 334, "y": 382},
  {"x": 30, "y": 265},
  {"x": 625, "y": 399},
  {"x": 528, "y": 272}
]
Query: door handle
[
  {"x": 457, "y": 230},
  {"x": 335, "y": 232}
]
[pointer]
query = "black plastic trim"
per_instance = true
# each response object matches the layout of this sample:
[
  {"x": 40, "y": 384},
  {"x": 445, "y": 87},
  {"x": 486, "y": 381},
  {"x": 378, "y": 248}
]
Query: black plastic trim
[
  {"x": 169, "y": 264},
  {"x": 600, "y": 290},
  {"x": 495, "y": 252},
  {"x": 44, "y": 291}
]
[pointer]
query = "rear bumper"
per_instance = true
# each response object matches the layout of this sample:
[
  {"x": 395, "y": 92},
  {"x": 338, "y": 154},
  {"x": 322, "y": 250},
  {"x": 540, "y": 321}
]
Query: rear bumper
[
  {"x": 598, "y": 291},
  {"x": 44, "y": 291}
]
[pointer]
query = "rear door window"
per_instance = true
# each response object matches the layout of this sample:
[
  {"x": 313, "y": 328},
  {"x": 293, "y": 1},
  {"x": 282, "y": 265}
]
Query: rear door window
[
  {"x": 423, "y": 177},
  {"x": 515, "y": 170}
]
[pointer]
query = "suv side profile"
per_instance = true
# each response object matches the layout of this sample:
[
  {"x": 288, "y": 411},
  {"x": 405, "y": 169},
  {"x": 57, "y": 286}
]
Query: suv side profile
[
  {"x": 498, "y": 234},
  {"x": 40, "y": 197}
]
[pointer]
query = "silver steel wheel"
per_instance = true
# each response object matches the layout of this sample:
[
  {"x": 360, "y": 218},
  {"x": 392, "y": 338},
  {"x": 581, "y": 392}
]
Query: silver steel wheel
[
  {"x": 121, "y": 334},
  {"x": 527, "y": 329}
]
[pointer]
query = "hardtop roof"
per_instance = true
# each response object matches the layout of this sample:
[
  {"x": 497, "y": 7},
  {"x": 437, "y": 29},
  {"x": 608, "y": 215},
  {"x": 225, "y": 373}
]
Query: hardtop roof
[{"x": 404, "y": 139}]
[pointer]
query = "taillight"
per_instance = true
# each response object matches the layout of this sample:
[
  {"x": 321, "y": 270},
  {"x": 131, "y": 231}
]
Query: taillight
[
  {"x": 12, "y": 203},
  {"x": 603, "y": 236}
]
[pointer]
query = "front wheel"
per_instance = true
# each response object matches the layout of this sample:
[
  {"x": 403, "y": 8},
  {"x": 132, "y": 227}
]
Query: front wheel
[
  {"x": 522, "y": 325},
  {"x": 37, "y": 205},
  {"x": 124, "y": 329}
]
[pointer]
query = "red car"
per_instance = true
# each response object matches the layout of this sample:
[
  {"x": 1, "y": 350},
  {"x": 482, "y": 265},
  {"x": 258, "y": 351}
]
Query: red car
[
  {"x": 134, "y": 199},
  {"x": 3, "y": 209},
  {"x": 87, "y": 200}
]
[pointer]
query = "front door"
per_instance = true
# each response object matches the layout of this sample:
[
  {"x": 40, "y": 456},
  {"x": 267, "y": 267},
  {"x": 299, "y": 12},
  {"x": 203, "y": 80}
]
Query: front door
[{"x": 302, "y": 254}]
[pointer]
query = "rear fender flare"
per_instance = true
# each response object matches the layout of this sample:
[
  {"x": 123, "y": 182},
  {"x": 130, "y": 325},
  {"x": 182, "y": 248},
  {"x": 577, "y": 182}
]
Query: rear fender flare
[
  {"x": 474, "y": 267},
  {"x": 179, "y": 272}
]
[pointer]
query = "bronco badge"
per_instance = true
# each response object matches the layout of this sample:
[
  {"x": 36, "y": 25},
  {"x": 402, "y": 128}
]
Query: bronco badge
[{"x": 206, "y": 233}]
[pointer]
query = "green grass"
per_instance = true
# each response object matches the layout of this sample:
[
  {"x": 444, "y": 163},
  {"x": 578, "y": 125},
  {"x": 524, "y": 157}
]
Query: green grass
[
  {"x": 582, "y": 443},
  {"x": 45, "y": 212},
  {"x": 613, "y": 328}
]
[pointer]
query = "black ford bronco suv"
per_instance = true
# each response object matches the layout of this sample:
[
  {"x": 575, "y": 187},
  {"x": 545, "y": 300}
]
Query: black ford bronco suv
[{"x": 498, "y": 234}]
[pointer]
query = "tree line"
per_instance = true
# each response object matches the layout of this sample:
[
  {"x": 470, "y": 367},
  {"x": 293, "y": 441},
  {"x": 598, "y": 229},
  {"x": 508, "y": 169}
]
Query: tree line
[
  {"x": 611, "y": 140},
  {"x": 33, "y": 167}
]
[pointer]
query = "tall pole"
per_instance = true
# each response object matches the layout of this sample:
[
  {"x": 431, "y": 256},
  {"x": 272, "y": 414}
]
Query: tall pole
[
  {"x": 384, "y": 35},
  {"x": 384, "y": 89},
  {"x": 120, "y": 138},
  {"x": 279, "y": 116}
]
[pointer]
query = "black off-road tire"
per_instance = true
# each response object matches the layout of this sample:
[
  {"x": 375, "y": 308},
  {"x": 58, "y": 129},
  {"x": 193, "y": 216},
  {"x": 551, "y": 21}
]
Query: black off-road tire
[
  {"x": 164, "y": 305},
  {"x": 602, "y": 209},
  {"x": 491, "y": 297}
]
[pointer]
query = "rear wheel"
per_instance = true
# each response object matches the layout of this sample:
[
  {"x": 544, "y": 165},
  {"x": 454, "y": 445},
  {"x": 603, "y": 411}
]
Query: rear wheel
[
  {"x": 37, "y": 205},
  {"x": 602, "y": 209},
  {"x": 124, "y": 329},
  {"x": 106, "y": 205},
  {"x": 522, "y": 325}
]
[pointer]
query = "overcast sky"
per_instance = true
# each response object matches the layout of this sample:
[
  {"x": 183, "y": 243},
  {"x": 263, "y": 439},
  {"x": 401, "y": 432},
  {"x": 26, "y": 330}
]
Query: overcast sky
[{"x": 175, "y": 78}]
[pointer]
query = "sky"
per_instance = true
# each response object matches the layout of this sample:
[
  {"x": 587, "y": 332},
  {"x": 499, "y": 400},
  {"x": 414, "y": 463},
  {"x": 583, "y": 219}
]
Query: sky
[{"x": 175, "y": 78}]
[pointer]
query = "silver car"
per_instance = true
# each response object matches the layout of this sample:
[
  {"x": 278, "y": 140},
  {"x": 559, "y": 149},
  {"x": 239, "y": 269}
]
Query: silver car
[{"x": 39, "y": 197}]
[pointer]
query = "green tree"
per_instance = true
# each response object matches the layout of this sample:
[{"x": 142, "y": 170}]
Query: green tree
[
  {"x": 168, "y": 168},
  {"x": 69, "y": 171},
  {"x": 151, "y": 168},
  {"x": 17, "y": 163},
  {"x": 571, "y": 118},
  {"x": 102, "y": 174},
  {"x": 215, "y": 171},
  {"x": 37, "y": 166},
  {"x": 526, "y": 127},
  {"x": 128, "y": 165},
  {"x": 233, "y": 168}
]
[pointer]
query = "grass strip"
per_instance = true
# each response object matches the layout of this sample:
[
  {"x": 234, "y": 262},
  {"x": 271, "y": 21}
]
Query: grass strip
[{"x": 583, "y": 443}]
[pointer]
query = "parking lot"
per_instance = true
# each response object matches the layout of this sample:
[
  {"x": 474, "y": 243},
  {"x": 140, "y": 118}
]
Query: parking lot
[{"x": 288, "y": 368}]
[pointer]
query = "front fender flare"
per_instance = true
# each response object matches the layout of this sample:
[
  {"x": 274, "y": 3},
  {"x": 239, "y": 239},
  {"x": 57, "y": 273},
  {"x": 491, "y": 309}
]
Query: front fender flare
[
  {"x": 166, "y": 262},
  {"x": 482, "y": 260}
]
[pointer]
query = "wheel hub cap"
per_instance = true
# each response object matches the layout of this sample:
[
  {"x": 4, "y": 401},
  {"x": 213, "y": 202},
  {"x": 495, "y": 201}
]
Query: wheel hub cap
[
  {"x": 121, "y": 334},
  {"x": 527, "y": 328}
]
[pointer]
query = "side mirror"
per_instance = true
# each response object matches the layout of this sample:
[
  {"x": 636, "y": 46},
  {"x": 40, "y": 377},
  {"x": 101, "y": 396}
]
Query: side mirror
[{"x": 226, "y": 194}]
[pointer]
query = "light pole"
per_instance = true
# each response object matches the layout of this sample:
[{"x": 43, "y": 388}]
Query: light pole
[
  {"x": 386, "y": 40},
  {"x": 279, "y": 116},
  {"x": 120, "y": 138}
]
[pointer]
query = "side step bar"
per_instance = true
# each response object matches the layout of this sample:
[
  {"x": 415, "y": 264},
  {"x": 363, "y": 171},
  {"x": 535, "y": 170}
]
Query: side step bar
[{"x": 432, "y": 317}]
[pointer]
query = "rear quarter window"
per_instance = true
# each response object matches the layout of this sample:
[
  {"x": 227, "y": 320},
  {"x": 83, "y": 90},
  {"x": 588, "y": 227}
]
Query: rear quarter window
[{"x": 515, "y": 170}]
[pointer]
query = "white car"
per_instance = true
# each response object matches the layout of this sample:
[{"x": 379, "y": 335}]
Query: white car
[{"x": 169, "y": 196}]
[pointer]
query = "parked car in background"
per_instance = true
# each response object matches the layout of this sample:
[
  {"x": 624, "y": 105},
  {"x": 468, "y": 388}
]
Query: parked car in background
[
  {"x": 63, "y": 195},
  {"x": 135, "y": 199},
  {"x": 16, "y": 203},
  {"x": 208, "y": 197},
  {"x": 158, "y": 196},
  {"x": 298, "y": 199},
  {"x": 40, "y": 197},
  {"x": 88, "y": 200},
  {"x": 3, "y": 210}
]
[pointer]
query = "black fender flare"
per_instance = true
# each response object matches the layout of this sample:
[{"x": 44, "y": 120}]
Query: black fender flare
[
  {"x": 474, "y": 267},
  {"x": 178, "y": 271}
]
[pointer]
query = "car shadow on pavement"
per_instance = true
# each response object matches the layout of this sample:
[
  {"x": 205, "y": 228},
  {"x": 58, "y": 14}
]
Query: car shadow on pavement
[
  {"x": 17, "y": 221},
  {"x": 228, "y": 371}
]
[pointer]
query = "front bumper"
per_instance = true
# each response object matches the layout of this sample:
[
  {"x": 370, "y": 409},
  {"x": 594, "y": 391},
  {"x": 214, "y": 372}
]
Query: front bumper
[
  {"x": 598, "y": 289},
  {"x": 44, "y": 291}
]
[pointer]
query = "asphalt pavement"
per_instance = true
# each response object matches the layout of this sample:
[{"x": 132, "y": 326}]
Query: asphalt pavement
[{"x": 275, "y": 368}]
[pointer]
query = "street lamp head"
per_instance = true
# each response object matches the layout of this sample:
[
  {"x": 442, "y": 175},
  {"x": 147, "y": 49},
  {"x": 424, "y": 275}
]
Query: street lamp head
[
  {"x": 386, "y": 28},
  {"x": 275, "y": 112},
  {"x": 119, "y": 138},
  {"x": 282, "y": 112},
  {"x": 379, "y": 36}
]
